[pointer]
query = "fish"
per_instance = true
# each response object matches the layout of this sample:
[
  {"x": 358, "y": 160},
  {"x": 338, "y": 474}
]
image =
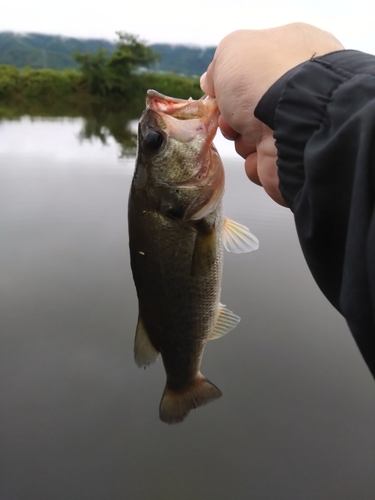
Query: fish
[{"x": 177, "y": 232}]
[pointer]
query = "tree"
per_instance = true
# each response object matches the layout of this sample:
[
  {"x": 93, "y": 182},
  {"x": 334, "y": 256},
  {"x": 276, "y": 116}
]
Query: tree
[
  {"x": 93, "y": 66},
  {"x": 115, "y": 74},
  {"x": 130, "y": 53}
]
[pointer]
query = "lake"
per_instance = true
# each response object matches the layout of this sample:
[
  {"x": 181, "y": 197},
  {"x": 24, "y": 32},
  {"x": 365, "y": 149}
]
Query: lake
[{"x": 79, "y": 420}]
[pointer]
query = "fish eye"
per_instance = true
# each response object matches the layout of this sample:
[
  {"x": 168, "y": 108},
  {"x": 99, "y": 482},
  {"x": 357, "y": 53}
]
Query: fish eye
[{"x": 153, "y": 139}]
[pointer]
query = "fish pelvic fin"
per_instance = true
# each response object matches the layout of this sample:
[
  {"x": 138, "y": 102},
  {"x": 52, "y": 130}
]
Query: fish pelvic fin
[
  {"x": 225, "y": 322},
  {"x": 237, "y": 238},
  {"x": 175, "y": 405},
  {"x": 144, "y": 352}
]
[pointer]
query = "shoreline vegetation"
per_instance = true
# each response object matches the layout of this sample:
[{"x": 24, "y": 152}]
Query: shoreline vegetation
[{"x": 115, "y": 81}]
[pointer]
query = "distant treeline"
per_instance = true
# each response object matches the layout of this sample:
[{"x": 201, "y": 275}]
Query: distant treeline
[
  {"x": 116, "y": 77},
  {"x": 40, "y": 51}
]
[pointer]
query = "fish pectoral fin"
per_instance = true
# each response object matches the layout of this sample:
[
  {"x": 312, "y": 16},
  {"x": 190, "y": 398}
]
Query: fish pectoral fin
[
  {"x": 225, "y": 322},
  {"x": 237, "y": 238},
  {"x": 175, "y": 405},
  {"x": 205, "y": 251},
  {"x": 144, "y": 352}
]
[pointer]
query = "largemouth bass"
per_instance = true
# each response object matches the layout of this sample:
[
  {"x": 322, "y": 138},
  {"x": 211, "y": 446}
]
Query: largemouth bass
[{"x": 176, "y": 237}]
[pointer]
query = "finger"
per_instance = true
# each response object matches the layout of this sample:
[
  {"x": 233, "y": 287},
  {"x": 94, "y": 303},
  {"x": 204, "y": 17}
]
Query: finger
[
  {"x": 268, "y": 176},
  {"x": 243, "y": 148},
  {"x": 207, "y": 82},
  {"x": 251, "y": 168},
  {"x": 227, "y": 131},
  {"x": 202, "y": 82}
]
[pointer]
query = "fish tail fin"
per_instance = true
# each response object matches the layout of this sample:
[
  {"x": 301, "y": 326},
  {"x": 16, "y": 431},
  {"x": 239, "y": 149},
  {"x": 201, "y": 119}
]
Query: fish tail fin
[{"x": 175, "y": 405}]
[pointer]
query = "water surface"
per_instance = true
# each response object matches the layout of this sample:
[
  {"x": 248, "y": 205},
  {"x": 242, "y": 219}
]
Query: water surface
[{"x": 80, "y": 421}]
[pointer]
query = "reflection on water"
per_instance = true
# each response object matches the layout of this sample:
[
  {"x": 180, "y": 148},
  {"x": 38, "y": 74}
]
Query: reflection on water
[
  {"x": 115, "y": 126},
  {"x": 80, "y": 421},
  {"x": 104, "y": 124}
]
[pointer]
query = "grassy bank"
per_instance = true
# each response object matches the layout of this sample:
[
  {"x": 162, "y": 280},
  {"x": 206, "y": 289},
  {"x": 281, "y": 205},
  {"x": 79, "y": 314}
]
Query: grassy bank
[{"x": 54, "y": 88}]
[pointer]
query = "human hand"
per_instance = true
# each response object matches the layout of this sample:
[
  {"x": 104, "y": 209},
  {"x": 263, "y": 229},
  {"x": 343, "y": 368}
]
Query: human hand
[{"x": 246, "y": 64}]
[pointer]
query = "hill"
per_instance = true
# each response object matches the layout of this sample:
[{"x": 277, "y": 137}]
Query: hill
[
  {"x": 183, "y": 59},
  {"x": 52, "y": 51},
  {"x": 44, "y": 51}
]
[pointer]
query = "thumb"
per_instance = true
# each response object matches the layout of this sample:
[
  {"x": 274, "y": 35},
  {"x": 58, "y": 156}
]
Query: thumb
[{"x": 207, "y": 83}]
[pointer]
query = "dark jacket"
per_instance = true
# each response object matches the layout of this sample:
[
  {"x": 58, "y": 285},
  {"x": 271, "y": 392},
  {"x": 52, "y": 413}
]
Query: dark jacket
[{"x": 323, "y": 116}]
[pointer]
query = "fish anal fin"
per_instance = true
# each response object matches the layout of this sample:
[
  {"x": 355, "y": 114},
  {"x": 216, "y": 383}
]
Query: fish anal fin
[
  {"x": 144, "y": 352},
  {"x": 175, "y": 405},
  {"x": 225, "y": 322},
  {"x": 237, "y": 238}
]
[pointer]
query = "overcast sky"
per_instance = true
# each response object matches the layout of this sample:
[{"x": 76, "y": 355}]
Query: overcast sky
[{"x": 202, "y": 22}]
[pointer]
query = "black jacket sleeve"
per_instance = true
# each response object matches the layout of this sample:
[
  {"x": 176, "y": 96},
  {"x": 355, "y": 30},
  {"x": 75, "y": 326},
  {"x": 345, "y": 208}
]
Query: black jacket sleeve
[{"x": 323, "y": 116}]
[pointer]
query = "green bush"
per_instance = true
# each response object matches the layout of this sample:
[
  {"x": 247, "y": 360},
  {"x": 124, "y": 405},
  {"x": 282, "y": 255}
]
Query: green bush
[
  {"x": 49, "y": 83},
  {"x": 46, "y": 84},
  {"x": 9, "y": 81},
  {"x": 171, "y": 85}
]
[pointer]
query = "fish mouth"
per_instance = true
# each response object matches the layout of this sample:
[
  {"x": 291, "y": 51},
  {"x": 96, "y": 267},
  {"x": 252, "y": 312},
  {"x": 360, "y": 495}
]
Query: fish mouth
[
  {"x": 183, "y": 109},
  {"x": 203, "y": 115}
]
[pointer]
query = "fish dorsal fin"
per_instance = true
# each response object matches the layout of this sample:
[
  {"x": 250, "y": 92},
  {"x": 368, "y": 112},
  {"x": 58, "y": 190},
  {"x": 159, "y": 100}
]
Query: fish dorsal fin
[
  {"x": 144, "y": 352},
  {"x": 237, "y": 238},
  {"x": 225, "y": 322}
]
